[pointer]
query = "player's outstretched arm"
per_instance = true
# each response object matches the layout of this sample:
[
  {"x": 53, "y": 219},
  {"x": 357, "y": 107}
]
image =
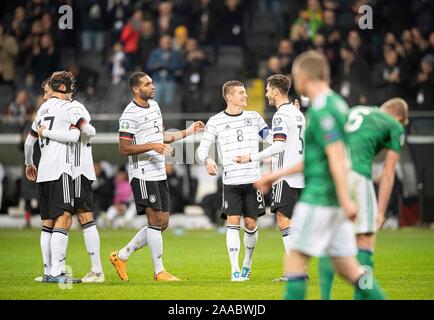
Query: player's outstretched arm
[
  {"x": 175, "y": 136},
  {"x": 335, "y": 152},
  {"x": 268, "y": 179},
  {"x": 386, "y": 184},
  {"x": 126, "y": 148},
  {"x": 275, "y": 148},
  {"x": 71, "y": 135}
]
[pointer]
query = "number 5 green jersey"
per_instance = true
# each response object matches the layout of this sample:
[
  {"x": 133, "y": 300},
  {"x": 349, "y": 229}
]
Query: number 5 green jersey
[
  {"x": 370, "y": 130},
  {"x": 326, "y": 119}
]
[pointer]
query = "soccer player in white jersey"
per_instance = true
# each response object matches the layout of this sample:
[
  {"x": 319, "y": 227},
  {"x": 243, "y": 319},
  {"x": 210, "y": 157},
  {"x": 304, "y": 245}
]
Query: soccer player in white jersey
[
  {"x": 54, "y": 175},
  {"x": 286, "y": 151},
  {"x": 83, "y": 175},
  {"x": 141, "y": 137},
  {"x": 235, "y": 131}
]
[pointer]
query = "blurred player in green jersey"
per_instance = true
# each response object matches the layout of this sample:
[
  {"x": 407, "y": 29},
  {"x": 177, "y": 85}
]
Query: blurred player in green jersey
[{"x": 370, "y": 130}]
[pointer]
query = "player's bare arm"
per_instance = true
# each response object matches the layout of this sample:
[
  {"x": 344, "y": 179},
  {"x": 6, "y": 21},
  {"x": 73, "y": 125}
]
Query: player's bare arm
[
  {"x": 339, "y": 170},
  {"x": 175, "y": 136},
  {"x": 386, "y": 183},
  {"x": 268, "y": 179},
  {"x": 126, "y": 148}
]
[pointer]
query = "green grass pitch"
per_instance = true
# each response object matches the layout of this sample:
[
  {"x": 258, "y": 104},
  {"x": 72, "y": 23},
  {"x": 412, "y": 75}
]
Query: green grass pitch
[{"x": 404, "y": 265}]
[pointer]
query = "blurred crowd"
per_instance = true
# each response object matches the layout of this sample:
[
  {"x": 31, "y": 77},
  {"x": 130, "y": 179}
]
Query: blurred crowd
[{"x": 184, "y": 45}]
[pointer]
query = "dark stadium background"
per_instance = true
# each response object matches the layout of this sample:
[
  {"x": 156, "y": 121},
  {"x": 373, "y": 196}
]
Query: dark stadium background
[{"x": 211, "y": 42}]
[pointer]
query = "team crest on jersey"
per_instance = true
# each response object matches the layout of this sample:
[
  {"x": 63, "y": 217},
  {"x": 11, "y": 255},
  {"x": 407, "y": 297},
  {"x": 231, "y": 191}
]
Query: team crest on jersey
[
  {"x": 152, "y": 198},
  {"x": 327, "y": 123},
  {"x": 125, "y": 125},
  {"x": 277, "y": 121},
  {"x": 248, "y": 121},
  {"x": 227, "y": 127}
]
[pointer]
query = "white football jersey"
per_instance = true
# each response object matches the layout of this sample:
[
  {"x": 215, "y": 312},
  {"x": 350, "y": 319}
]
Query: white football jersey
[
  {"x": 82, "y": 163},
  {"x": 56, "y": 115},
  {"x": 288, "y": 126},
  {"x": 144, "y": 125},
  {"x": 235, "y": 135}
]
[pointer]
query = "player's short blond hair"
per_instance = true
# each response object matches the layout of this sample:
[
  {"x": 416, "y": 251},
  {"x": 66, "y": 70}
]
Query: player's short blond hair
[
  {"x": 314, "y": 65},
  {"x": 227, "y": 86},
  {"x": 397, "y": 107}
]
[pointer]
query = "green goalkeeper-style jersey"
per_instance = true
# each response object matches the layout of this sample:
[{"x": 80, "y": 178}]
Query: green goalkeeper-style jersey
[
  {"x": 325, "y": 124},
  {"x": 370, "y": 130}
]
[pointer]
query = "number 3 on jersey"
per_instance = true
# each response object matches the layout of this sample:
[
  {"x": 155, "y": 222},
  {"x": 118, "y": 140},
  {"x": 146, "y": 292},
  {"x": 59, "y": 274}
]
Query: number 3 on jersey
[
  {"x": 47, "y": 140},
  {"x": 300, "y": 151}
]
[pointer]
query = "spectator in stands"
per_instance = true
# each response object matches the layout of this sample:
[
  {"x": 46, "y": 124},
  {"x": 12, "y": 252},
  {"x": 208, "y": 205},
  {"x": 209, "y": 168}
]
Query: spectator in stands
[
  {"x": 195, "y": 62},
  {"x": 386, "y": 77},
  {"x": 130, "y": 38},
  {"x": 274, "y": 6},
  {"x": 333, "y": 37},
  {"x": 123, "y": 204},
  {"x": 330, "y": 29},
  {"x": 231, "y": 24},
  {"x": 19, "y": 24},
  {"x": 118, "y": 61},
  {"x": 311, "y": 18},
  {"x": 285, "y": 52},
  {"x": 20, "y": 109},
  {"x": 103, "y": 188},
  {"x": 273, "y": 67},
  {"x": 203, "y": 23},
  {"x": 31, "y": 41},
  {"x": 351, "y": 80},
  {"x": 167, "y": 21},
  {"x": 299, "y": 37},
  {"x": 408, "y": 51},
  {"x": 47, "y": 23},
  {"x": 430, "y": 49},
  {"x": 8, "y": 56},
  {"x": 35, "y": 9},
  {"x": 180, "y": 38},
  {"x": 419, "y": 41},
  {"x": 44, "y": 60},
  {"x": 117, "y": 13},
  {"x": 423, "y": 84},
  {"x": 147, "y": 42},
  {"x": 87, "y": 80},
  {"x": 92, "y": 24},
  {"x": 164, "y": 66}
]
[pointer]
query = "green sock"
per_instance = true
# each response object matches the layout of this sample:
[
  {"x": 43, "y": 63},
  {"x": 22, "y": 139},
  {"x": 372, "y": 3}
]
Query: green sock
[
  {"x": 365, "y": 257},
  {"x": 326, "y": 275},
  {"x": 296, "y": 288},
  {"x": 374, "y": 293}
]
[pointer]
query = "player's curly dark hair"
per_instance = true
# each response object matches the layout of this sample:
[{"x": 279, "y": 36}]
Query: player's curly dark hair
[
  {"x": 62, "y": 77},
  {"x": 281, "y": 82}
]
